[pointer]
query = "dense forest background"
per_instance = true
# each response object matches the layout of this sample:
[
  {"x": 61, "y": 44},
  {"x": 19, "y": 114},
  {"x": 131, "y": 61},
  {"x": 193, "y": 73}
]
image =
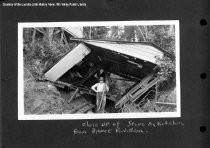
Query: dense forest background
[{"x": 45, "y": 46}]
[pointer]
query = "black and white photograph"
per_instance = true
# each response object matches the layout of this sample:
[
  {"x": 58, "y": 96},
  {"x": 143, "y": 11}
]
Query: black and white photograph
[
  {"x": 104, "y": 73},
  {"x": 96, "y": 70}
]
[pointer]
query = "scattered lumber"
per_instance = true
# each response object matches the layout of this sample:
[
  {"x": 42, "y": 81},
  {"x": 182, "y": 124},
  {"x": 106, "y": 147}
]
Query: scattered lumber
[
  {"x": 137, "y": 90},
  {"x": 81, "y": 90},
  {"x": 144, "y": 89}
]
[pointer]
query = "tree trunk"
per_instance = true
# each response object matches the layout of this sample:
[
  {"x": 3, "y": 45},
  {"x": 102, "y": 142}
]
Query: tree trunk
[
  {"x": 90, "y": 33},
  {"x": 33, "y": 38},
  {"x": 140, "y": 31},
  {"x": 146, "y": 32},
  {"x": 62, "y": 36},
  {"x": 48, "y": 36},
  {"x": 171, "y": 30}
]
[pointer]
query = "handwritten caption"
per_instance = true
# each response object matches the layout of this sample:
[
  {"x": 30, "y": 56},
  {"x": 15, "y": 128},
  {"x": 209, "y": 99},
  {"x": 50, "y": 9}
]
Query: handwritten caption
[
  {"x": 118, "y": 127},
  {"x": 44, "y": 4}
]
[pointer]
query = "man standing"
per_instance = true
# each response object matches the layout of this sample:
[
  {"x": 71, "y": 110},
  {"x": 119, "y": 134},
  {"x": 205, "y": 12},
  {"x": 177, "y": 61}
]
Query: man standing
[{"x": 100, "y": 88}]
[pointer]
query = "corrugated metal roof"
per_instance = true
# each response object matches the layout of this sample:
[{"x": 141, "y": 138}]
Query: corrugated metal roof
[{"x": 140, "y": 51}]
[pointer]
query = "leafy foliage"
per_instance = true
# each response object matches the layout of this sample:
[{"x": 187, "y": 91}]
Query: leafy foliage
[
  {"x": 98, "y": 32},
  {"x": 164, "y": 37},
  {"x": 167, "y": 68},
  {"x": 41, "y": 53}
]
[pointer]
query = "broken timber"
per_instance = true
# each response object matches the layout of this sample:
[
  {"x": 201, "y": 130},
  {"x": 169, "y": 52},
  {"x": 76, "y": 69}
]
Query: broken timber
[
  {"x": 80, "y": 89},
  {"x": 72, "y": 97},
  {"x": 138, "y": 90}
]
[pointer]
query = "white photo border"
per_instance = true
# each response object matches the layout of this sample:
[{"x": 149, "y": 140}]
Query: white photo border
[{"x": 22, "y": 116}]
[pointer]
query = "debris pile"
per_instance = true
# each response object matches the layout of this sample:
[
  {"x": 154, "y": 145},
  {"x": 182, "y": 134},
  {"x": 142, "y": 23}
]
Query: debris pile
[{"x": 129, "y": 68}]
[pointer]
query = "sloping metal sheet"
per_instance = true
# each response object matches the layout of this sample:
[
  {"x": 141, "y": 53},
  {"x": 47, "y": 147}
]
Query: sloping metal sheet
[
  {"x": 75, "y": 31},
  {"x": 137, "y": 50},
  {"x": 67, "y": 62}
]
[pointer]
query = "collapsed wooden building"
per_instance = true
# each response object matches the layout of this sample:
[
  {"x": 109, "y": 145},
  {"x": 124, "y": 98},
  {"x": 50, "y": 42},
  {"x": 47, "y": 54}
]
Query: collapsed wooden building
[{"x": 80, "y": 68}]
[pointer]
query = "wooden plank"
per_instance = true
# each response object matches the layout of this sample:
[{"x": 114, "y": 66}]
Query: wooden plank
[
  {"x": 86, "y": 108},
  {"x": 145, "y": 89},
  {"x": 166, "y": 104},
  {"x": 77, "y": 108},
  {"x": 122, "y": 79},
  {"x": 62, "y": 83},
  {"x": 72, "y": 97},
  {"x": 143, "y": 83},
  {"x": 59, "y": 85}
]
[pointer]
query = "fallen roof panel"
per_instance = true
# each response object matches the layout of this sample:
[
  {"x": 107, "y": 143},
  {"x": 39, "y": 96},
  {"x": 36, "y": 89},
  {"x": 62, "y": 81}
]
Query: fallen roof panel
[
  {"x": 67, "y": 62},
  {"x": 140, "y": 51}
]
